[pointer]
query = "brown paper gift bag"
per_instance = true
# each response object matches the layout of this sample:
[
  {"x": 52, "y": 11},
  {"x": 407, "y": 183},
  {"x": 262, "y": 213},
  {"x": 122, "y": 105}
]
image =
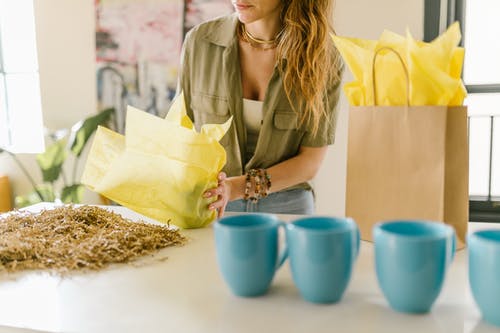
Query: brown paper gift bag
[{"x": 408, "y": 162}]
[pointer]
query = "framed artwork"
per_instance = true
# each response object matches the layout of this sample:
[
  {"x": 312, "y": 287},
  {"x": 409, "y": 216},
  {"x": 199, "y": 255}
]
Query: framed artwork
[
  {"x": 138, "y": 45},
  {"x": 197, "y": 11}
]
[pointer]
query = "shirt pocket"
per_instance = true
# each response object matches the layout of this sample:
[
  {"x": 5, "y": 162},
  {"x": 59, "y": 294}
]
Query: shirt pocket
[
  {"x": 286, "y": 120},
  {"x": 209, "y": 109},
  {"x": 285, "y": 137}
]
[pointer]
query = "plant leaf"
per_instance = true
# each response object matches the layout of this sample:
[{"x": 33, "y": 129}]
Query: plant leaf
[
  {"x": 51, "y": 161},
  {"x": 26, "y": 200},
  {"x": 33, "y": 198},
  {"x": 47, "y": 192},
  {"x": 83, "y": 130},
  {"x": 72, "y": 194}
]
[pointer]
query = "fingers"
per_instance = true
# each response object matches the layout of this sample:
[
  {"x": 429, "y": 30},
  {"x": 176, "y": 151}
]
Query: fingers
[
  {"x": 219, "y": 204},
  {"x": 221, "y": 177},
  {"x": 221, "y": 194},
  {"x": 221, "y": 211},
  {"x": 219, "y": 190}
]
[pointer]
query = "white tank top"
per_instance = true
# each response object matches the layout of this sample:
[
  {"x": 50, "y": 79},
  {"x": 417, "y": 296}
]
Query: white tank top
[{"x": 252, "y": 117}]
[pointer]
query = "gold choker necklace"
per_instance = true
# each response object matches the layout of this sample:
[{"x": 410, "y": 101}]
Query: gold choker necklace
[
  {"x": 258, "y": 43},
  {"x": 255, "y": 39}
]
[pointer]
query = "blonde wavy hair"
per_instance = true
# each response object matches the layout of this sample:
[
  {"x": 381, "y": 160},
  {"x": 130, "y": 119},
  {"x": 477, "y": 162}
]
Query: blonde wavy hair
[{"x": 308, "y": 60}]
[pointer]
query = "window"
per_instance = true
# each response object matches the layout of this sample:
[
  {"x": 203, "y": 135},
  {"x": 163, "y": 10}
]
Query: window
[
  {"x": 21, "y": 129},
  {"x": 481, "y": 75}
]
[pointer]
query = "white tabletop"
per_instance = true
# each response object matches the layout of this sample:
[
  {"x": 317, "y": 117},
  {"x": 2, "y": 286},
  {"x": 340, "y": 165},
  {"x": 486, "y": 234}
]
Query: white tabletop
[{"x": 186, "y": 293}]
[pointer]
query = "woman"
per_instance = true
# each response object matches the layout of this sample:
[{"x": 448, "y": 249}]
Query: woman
[{"x": 271, "y": 66}]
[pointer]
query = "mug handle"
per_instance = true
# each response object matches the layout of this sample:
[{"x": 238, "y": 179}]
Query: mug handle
[
  {"x": 358, "y": 241},
  {"x": 284, "y": 252},
  {"x": 453, "y": 246}
]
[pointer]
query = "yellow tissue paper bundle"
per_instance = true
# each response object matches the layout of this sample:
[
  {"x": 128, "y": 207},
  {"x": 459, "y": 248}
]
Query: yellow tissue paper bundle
[
  {"x": 160, "y": 167},
  {"x": 433, "y": 69}
]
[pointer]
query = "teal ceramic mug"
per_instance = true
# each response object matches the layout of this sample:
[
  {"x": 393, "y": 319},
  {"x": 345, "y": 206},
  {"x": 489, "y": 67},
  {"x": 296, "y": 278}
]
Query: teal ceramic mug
[
  {"x": 411, "y": 259},
  {"x": 322, "y": 251},
  {"x": 484, "y": 272},
  {"x": 247, "y": 252}
]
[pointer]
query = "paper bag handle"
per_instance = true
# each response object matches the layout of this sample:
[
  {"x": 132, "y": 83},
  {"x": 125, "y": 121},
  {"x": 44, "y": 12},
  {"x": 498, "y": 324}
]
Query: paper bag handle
[{"x": 404, "y": 68}]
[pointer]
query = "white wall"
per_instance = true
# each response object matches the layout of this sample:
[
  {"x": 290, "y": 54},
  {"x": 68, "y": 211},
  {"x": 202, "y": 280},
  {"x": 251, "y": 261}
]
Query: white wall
[
  {"x": 66, "y": 55},
  {"x": 363, "y": 19}
]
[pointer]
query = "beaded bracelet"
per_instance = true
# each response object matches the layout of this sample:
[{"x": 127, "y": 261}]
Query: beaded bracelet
[
  {"x": 260, "y": 180},
  {"x": 248, "y": 185},
  {"x": 267, "y": 179},
  {"x": 257, "y": 190}
]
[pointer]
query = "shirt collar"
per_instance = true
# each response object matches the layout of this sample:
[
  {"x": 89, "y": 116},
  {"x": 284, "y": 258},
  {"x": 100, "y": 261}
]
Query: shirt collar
[{"x": 223, "y": 32}]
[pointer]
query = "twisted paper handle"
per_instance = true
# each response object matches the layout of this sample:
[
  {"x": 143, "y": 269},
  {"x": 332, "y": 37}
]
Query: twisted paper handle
[{"x": 404, "y": 68}]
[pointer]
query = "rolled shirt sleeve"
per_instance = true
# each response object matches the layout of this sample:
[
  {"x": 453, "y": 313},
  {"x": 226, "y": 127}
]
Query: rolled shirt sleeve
[{"x": 328, "y": 123}]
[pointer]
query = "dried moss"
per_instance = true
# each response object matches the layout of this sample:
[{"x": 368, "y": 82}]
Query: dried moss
[{"x": 75, "y": 238}]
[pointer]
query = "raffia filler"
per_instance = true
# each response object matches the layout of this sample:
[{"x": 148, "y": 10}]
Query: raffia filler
[{"x": 71, "y": 238}]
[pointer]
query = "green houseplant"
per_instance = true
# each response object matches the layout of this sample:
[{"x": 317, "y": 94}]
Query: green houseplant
[{"x": 56, "y": 185}]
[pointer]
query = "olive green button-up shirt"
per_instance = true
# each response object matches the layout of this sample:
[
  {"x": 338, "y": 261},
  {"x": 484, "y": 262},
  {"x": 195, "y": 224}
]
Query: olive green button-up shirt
[{"x": 210, "y": 78}]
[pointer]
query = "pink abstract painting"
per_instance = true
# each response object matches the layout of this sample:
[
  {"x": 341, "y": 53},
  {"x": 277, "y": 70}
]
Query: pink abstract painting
[
  {"x": 138, "y": 45},
  {"x": 135, "y": 30},
  {"x": 198, "y": 11}
]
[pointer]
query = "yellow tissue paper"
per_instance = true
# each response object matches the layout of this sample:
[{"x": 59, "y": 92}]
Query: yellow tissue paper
[
  {"x": 429, "y": 74},
  {"x": 160, "y": 167}
]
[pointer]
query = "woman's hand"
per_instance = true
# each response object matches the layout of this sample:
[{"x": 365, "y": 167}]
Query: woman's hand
[{"x": 222, "y": 192}]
